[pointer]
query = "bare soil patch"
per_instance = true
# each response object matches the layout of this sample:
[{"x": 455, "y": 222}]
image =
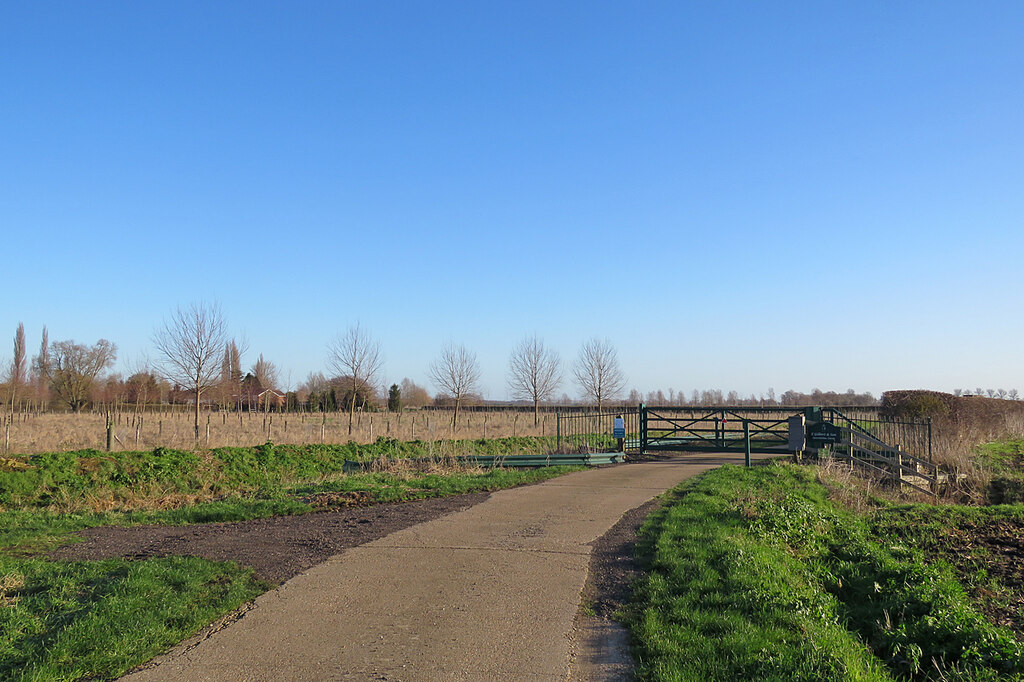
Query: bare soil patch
[
  {"x": 277, "y": 548},
  {"x": 613, "y": 563},
  {"x": 602, "y": 644},
  {"x": 998, "y": 548}
]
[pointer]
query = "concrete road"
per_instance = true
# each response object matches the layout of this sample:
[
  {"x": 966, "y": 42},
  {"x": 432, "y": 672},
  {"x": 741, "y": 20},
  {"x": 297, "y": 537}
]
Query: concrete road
[{"x": 489, "y": 593}]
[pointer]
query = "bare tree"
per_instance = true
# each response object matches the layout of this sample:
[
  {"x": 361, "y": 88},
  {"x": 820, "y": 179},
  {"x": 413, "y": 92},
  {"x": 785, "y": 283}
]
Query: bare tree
[
  {"x": 534, "y": 373},
  {"x": 266, "y": 373},
  {"x": 39, "y": 364},
  {"x": 19, "y": 367},
  {"x": 597, "y": 372},
  {"x": 72, "y": 368},
  {"x": 455, "y": 372},
  {"x": 355, "y": 355},
  {"x": 191, "y": 345},
  {"x": 413, "y": 395},
  {"x": 231, "y": 374}
]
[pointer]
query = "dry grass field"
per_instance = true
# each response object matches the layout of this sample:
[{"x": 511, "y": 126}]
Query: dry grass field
[{"x": 55, "y": 432}]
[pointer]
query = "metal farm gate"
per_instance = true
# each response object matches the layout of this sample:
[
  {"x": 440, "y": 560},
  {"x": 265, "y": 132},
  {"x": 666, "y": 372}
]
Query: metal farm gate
[
  {"x": 893, "y": 449},
  {"x": 715, "y": 429}
]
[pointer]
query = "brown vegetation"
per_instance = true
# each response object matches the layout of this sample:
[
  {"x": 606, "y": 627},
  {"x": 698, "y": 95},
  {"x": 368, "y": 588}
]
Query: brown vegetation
[
  {"x": 48, "y": 432},
  {"x": 959, "y": 423}
]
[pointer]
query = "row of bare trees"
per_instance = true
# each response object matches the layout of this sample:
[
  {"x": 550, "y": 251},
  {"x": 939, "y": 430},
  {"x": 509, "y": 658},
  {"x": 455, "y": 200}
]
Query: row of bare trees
[
  {"x": 195, "y": 354},
  {"x": 64, "y": 369},
  {"x": 197, "y": 362},
  {"x": 998, "y": 393},
  {"x": 534, "y": 371},
  {"x": 716, "y": 397}
]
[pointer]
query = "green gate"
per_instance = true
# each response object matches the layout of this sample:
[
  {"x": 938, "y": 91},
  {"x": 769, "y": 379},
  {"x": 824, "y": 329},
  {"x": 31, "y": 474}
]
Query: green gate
[
  {"x": 715, "y": 429},
  {"x": 874, "y": 444}
]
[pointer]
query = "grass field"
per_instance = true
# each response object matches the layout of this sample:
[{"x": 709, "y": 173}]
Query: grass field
[
  {"x": 97, "y": 619},
  {"x": 32, "y": 433},
  {"x": 759, "y": 574}
]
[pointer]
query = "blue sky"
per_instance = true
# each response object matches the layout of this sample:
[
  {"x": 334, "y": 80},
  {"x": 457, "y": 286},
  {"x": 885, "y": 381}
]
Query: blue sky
[{"x": 738, "y": 195}]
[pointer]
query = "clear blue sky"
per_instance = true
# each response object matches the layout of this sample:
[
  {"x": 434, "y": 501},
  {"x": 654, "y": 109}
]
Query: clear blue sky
[{"x": 738, "y": 195}]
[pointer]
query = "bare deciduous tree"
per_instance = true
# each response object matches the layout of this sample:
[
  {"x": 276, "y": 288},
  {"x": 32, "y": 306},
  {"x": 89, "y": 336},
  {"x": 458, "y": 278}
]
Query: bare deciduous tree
[
  {"x": 39, "y": 364},
  {"x": 414, "y": 395},
  {"x": 597, "y": 372},
  {"x": 18, "y": 365},
  {"x": 534, "y": 373},
  {"x": 231, "y": 374},
  {"x": 455, "y": 372},
  {"x": 266, "y": 373},
  {"x": 356, "y": 356},
  {"x": 72, "y": 368},
  {"x": 191, "y": 345}
]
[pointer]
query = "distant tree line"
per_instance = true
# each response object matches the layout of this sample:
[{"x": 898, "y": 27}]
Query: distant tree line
[
  {"x": 198, "y": 364},
  {"x": 997, "y": 393},
  {"x": 788, "y": 399}
]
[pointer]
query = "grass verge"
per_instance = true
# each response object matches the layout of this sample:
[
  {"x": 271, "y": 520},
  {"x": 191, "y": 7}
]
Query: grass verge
[
  {"x": 88, "y": 480},
  {"x": 98, "y": 619},
  {"x": 89, "y": 619},
  {"x": 1003, "y": 465},
  {"x": 756, "y": 574}
]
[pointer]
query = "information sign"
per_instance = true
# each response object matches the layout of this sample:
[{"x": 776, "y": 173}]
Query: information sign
[
  {"x": 823, "y": 433},
  {"x": 619, "y": 430}
]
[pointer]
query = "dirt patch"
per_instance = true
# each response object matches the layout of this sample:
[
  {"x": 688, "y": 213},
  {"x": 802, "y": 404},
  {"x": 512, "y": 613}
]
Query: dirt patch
[
  {"x": 277, "y": 548},
  {"x": 613, "y": 563},
  {"x": 998, "y": 548},
  {"x": 602, "y": 644}
]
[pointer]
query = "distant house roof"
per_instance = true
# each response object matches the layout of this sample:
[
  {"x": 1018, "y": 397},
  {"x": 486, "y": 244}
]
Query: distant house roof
[{"x": 273, "y": 392}]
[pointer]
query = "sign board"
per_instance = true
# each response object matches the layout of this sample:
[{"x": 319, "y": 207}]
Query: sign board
[
  {"x": 797, "y": 437},
  {"x": 823, "y": 433},
  {"x": 619, "y": 430}
]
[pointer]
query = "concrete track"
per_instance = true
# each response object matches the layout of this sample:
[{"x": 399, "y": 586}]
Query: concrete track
[{"x": 489, "y": 593}]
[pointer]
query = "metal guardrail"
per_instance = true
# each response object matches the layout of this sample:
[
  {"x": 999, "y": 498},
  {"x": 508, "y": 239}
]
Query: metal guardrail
[
  {"x": 554, "y": 459},
  {"x": 512, "y": 461}
]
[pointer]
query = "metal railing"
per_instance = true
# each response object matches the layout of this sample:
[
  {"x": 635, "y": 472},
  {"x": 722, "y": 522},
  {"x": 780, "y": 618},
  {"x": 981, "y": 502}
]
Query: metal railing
[
  {"x": 879, "y": 446},
  {"x": 593, "y": 431}
]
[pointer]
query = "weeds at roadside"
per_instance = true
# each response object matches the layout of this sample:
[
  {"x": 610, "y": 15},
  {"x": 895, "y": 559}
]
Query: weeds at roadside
[{"x": 757, "y": 574}]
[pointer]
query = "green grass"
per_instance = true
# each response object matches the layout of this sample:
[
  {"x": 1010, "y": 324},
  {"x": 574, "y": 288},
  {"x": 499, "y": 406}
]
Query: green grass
[
  {"x": 755, "y": 574},
  {"x": 387, "y": 487},
  {"x": 67, "y": 621},
  {"x": 87, "y": 479},
  {"x": 97, "y": 619},
  {"x": 29, "y": 530},
  {"x": 955, "y": 535},
  {"x": 1005, "y": 460}
]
